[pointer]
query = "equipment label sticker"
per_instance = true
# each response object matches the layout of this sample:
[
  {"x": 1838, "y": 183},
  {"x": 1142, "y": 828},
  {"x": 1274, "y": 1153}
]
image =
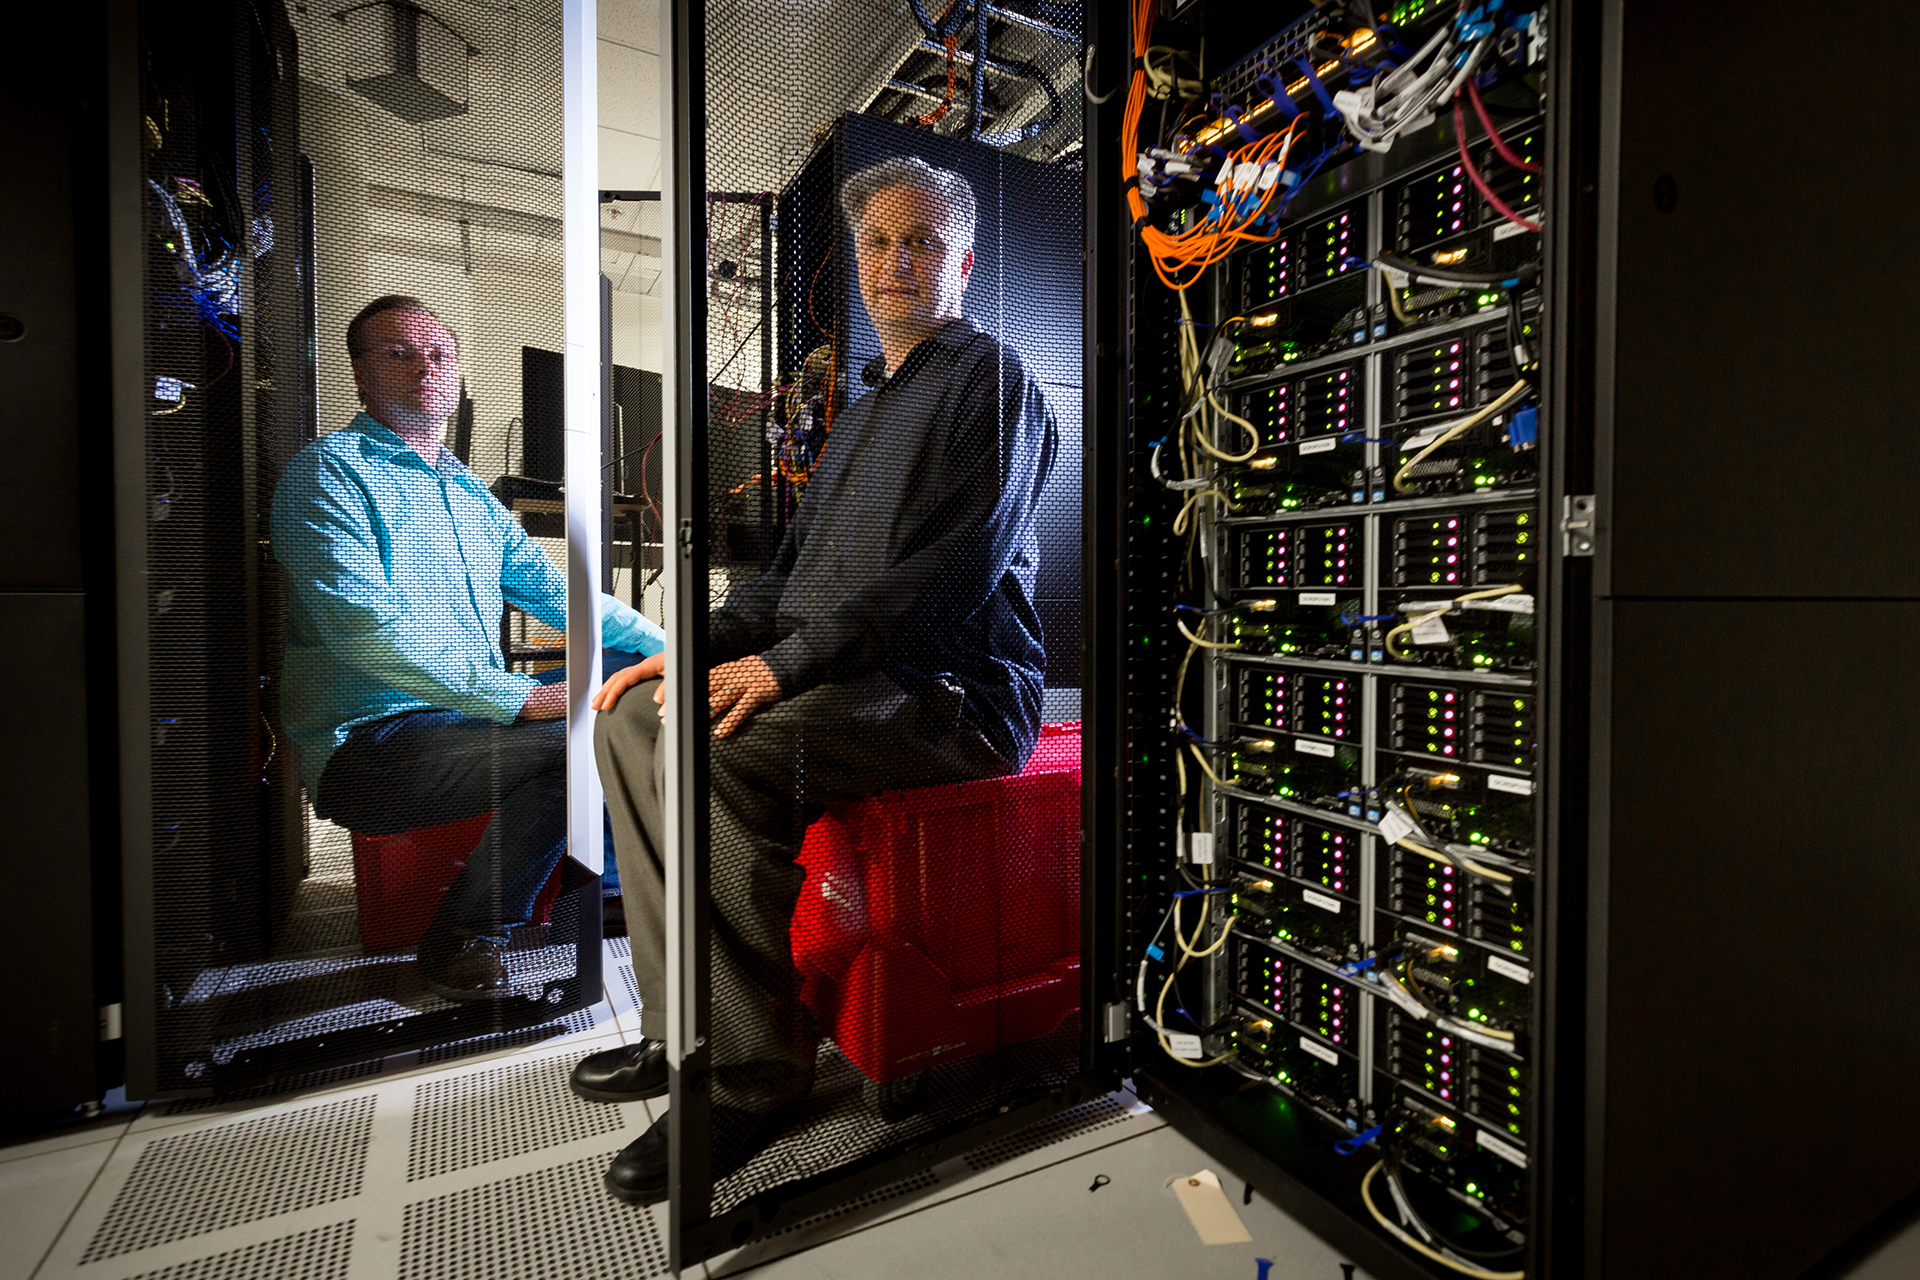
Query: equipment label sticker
[
  {"x": 1506, "y": 229},
  {"x": 1506, "y": 782},
  {"x": 1320, "y": 1051},
  {"x": 1508, "y": 969},
  {"x": 1308, "y": 747},
  {"x": 1324, "y": 445},
  {"x": 1184, "y": 1046},
  {"x": 1318, "y": 597},
  {"x": 1321, "y": 901},
  {"x": 1514, "y": 602},
  {"x": 1511, "y": 1154}
]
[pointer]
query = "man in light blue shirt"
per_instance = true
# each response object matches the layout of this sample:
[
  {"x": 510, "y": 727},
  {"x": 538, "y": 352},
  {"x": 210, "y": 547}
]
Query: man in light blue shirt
[{"x": 396, "y": 696}]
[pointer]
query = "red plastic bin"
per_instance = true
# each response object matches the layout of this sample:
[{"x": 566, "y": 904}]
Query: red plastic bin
[
  {"x": 398, "y": 880},
  {"x": 942, "y": 922}
]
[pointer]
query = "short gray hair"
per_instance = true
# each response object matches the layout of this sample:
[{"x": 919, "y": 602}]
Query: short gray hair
[{"x": 954, "y": 192}]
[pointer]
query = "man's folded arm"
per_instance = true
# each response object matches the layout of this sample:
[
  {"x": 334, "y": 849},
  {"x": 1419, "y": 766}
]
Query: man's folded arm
[
  {"x": 992, "y": 465},
  {"x": 323, "y": 535}
]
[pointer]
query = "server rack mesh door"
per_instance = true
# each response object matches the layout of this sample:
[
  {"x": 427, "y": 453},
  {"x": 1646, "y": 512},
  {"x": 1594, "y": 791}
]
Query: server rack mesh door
[
  {"x": 892, "y": 549},
  {"x": 358, "y": 817}
]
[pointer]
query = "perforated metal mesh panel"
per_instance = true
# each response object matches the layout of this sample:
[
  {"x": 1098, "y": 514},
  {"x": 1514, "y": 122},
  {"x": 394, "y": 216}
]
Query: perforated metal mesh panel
[
  {"x": 892, "y": 515},
  {"x": 324, "y": 1253},
  {"x": 1101, "y": 1113},
  {"x": 354, "y": 557},
  {"x": 233, "y": 1173},
  {"x": 499, "y": 1112},
  {"x": 573, "y": 1022},
  {"x": 291, "y": 1084},
  {"x": 481, "y": 1233}
]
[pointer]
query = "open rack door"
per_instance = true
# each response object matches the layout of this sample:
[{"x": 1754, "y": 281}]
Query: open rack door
[
  {"x": 279, "y": 595},
  {"x": 871, "y": 888}
]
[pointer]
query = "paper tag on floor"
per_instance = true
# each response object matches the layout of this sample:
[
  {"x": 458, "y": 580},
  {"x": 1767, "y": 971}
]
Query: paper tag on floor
[{"x": 1208, "y": 1210}]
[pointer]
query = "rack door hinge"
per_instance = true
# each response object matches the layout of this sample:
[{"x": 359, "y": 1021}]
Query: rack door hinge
[
  {"x": 686, "y": 539},
  {"x": 1115, "y": 1021},
  {"x": 110, "y": 1022},
  {"x": 1576, "y": 524}
]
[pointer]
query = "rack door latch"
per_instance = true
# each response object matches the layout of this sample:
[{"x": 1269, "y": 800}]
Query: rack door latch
[{"x": 1576, "y": 524}]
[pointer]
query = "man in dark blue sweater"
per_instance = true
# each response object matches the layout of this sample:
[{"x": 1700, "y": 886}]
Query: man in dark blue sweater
[{"x": 893, "y": 644}]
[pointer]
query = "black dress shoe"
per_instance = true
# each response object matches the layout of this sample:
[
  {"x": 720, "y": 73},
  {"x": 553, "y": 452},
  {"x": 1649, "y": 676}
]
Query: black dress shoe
[
  {"x": 464, "y": 968},
  {"x": 638, "y": 1174},
  {"x": 630, "y": 1073}
]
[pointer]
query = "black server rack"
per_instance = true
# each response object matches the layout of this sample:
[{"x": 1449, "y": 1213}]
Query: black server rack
[{"x": 1528, "y": 812}]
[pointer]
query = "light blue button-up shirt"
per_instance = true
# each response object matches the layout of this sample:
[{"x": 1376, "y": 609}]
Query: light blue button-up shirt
[{"x": 396, "y": 576}]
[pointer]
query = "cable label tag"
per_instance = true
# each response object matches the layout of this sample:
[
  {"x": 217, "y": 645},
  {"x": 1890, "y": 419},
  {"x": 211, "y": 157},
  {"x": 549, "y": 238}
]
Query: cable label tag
[
  {"x": 1320, "y": 1051},
  {"x": 1200, "y": 847},
  {"x": 1395, "y": 825},
  {"x": 1512, "y": 785},
  {"x": 1326, "y": 444},
  {"x": 1512, "y": 1155},
  {"x": 1508, "y": 969},
  {"x": 1519, "y": 602},
  {"x": 1321, "y": 901},
  {"x": 1507, "y": 229},
  {"x": 1319, "y": 597},
  {"x": 1420, "y": 440},
  {"x": 1184, "y": 1046},
  {"x": 1308, "y": 747},
  {"x": 1430, "y": 631}
]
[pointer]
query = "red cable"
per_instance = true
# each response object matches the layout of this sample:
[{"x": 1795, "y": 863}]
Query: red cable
[
  {"x": 1466, "y": 162},
  {"x": 1499, "y": 143}
]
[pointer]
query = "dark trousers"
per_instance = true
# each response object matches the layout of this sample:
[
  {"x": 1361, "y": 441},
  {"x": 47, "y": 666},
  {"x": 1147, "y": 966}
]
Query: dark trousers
[
  {"x": 426, "y": 768},
  {"x": 770, "y": 780}
]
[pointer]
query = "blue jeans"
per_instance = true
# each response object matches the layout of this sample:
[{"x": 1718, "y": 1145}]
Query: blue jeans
[{"x": 427, "y": 768}]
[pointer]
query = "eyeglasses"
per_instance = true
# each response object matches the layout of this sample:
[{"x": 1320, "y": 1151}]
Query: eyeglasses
[{"x": 406, "y": 353}]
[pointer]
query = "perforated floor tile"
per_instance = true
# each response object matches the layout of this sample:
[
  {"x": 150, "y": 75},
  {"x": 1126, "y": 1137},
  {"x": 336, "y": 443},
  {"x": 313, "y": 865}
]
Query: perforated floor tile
[
  {"x": 243, "y": 1171},
  {"x": 551, "y": 1224},
  {"x": 324, "y": 1253},
  {"x": 495, "y": 1113}
]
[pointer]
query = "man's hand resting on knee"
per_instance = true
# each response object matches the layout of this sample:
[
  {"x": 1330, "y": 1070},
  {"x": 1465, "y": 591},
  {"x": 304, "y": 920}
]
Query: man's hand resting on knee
[
  {"x": 740, "y": 688},
  {"x": 737, "y": 688},
  {"x": 648, "y": 668}
]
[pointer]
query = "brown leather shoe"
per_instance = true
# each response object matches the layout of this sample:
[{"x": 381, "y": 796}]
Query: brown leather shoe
[{"x": 464, "y": 968}]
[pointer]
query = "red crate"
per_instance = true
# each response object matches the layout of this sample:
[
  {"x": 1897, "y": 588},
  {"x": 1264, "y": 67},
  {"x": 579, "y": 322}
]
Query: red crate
[
  {"x": 942, "y": 922},
  {"x": 398, "y": 880}
]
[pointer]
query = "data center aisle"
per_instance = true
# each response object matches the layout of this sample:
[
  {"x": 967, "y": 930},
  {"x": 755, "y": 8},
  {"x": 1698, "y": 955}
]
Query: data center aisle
[{"x": 475, "y": 1163}]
